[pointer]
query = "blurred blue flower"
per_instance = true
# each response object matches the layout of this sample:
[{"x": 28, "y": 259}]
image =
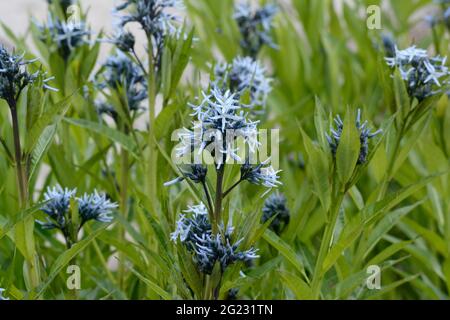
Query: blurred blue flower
[
  {"x": 255, "y": 26},
  {"x": 244, "y": 75},
  {"x": 425, "y": 76},
  {"x": 154, "y": 16},
  {"x": 275, "y": 206},
  {"x": 119, "y": 71},
  {"x": 65, "y": 36},
  {"x": 123, "y": 40}
]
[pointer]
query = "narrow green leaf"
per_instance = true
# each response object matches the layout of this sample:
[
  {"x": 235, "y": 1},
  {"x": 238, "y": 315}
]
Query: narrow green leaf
[
  {"x": 285, "y": 250},
  {"x": 348, "y": 150},
  {"x": 66, "y": 257},
  {"x": 112, "y": 134}
]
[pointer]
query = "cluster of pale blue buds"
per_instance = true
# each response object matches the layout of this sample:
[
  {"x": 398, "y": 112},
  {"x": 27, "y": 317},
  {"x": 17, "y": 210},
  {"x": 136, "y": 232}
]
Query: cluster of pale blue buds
[
  {"x": 66, "y": 36},
  {"x": 255, "y": 26},
  {"x": 194, "y": 232},
  {"x": 365, "y": 135},
  {"x": 244, "y": 76},
  {"x": 425, "y": 76},
  {"x": 57, "y": 203}
]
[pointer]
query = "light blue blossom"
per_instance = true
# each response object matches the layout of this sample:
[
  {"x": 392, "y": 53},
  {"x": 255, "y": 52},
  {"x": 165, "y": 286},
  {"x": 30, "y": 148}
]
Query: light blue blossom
[
  {"x": 255, "y": 26},
  {"x": 220, "y": 120},
  {"x": 57, "y": 207},
  {"x": 65, "y": 36},
  {"x": 95, "y": 206},
  {"x": 120, "y": 71},
  {"x": 196, "y": 173},
  {"x": 365, "y": 135},
  {"x": 194, "y": 231},
  {"x": 244, "y": 75},
  {"x": 156, "y": 17},
  {"x": 262, "y": 174},
  {"x": 14, "y": 77},
  {"x": 123, "y": 40},
  {"x": 275, "y": 206},
  {"x": 158, "y": 20},
  {"x": 425, "y": 76},
  {"x": 57, "y": 200}
]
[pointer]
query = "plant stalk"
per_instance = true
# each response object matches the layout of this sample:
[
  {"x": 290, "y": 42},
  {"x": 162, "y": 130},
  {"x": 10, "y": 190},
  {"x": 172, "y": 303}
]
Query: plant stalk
[
  {"x": 325, "y": 245},
  {"x": 20, "y": 170},
  {"x": 124, "y": 208},
  {"x": 31, "y": 268},
  {"x": 152, "y": 116},
  {"x": 219, "y": 198},
  {"x": 391, "y": 164}
]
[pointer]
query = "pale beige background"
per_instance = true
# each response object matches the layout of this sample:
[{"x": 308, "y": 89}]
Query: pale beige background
[{"x": 17, "y": 13}]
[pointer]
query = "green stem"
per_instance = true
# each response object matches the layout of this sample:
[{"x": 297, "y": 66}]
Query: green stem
[
  {"x": 152, "y": 116},
  {"x": 391, "y": 164},
  {"x": 207, "y": 287},
  {"x": 231, "y": 188},
  {"x": 208, "y": 198},
  {"x": 124, "y": 208},
  {"x": 21, "y": 176},
  {"x": 219, "y": 197},
  {"x": 318, "y": 275},
  {"x": 71, "y": 236},
  {"x": 31, "y": 268}
]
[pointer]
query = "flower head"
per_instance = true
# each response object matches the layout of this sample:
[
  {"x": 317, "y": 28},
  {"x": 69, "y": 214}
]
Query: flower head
[
  {"x": 365, "y": 135},
  {"x": 255, "y": 26},
  {"x": 275, "y": 206},
  {"x": 261, "y": 174},
  {"x": 14, "y": 76},
  {"x": 95, "y": 206},
  {"x": 1, "y": 294},
  {"x": 196, "y": 173},
  {"x": 194, "y": 231},
  {"x": 221, "y": 119},
  {"x": 65, "y": 36},
  {"x": 90, "y": 207},
  {"x": 121, "y": 71},
  {"x": 123, "y": 40},
  {"x": 64, "y": 3},
  {"x": 154, "y": 16},
  {"x": 57, "y": 207},
  {"x": 425, "y": 76},
  {"x": 244, "y": 75}
]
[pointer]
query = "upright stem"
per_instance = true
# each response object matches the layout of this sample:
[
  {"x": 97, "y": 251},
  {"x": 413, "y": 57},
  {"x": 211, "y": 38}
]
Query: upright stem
[
  {"x": 21, "y": 176},
  {"x": 325, "y": 245},
  {"x": 124, "y": 208},
  {"x": 31, "y": 267},
  {"x": 219, "y": 197},
  {"x": 208, "y": 197},
  {"x": 391, "y": 164},
  {"x": 152, "y": 116},
  {"x": 71, "y": 239}
]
